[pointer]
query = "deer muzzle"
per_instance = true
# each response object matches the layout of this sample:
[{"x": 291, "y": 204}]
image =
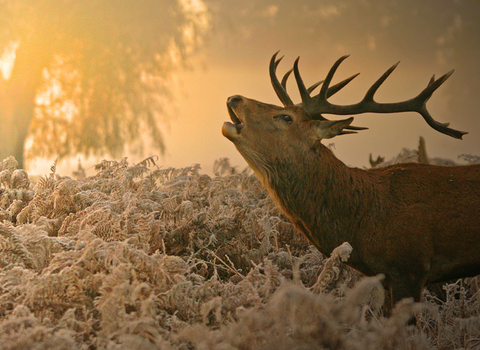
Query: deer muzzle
[{"x": 232, "y": 130}]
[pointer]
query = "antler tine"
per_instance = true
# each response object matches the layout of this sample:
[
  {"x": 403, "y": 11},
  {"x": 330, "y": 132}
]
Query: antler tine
[
  {"x": 279, "y": 89},
  {"x": 285, "y": 78},
  {"x": 277, "y": 62},
  {"x": 373, "y": 89},
  {"x": 322, "y": 96},
  {"x": 337, "y": 87},
  {"x": 306, "y": 99},
  {"x": 308, "y": 103},
  {"x": 425, "y": 95},
  {"x": 314, "y": 86},
  {"x": 351, "y": 127},
  {"x": 441, "y": 127},
  {"x": 311, "y": 104},
  {"x": 434, "y": 85},
  {"x": 309, "y": 90}
]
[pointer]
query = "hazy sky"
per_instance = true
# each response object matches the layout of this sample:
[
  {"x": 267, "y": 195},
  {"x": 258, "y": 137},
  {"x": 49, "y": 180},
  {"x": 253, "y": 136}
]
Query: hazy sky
[{"x": 428, "y": 37}]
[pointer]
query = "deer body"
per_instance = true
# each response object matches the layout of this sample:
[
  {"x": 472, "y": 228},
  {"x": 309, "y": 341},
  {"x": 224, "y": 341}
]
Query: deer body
[{"x": 418, "y": 224}]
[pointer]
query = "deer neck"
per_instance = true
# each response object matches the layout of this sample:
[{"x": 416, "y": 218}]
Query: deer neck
[{"x": 325, "y": 199}]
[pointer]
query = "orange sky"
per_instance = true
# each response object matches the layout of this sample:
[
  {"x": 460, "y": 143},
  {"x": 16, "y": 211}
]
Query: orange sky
[{"x": 427, "y": 40}]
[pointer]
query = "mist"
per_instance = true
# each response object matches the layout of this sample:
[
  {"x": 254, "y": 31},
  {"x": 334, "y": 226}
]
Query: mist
[{"x": 428, "y": 37}]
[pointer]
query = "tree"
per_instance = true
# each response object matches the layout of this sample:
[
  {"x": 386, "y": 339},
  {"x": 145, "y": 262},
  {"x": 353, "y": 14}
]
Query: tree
[{"x": 91, "y": 76}]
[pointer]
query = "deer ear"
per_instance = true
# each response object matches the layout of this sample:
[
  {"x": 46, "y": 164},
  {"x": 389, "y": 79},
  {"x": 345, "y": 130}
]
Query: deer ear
[{"x": 326, "y": 129}]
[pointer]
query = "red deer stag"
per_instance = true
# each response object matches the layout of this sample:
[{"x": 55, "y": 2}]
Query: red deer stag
[{"x": 417, "y": 224}]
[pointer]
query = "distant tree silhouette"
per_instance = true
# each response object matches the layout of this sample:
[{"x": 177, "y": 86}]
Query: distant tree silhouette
[{"x": 91, "y": 76}]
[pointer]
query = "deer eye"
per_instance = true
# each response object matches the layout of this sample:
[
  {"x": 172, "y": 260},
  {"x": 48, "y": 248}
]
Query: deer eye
[{"x": 286, "y": 118}]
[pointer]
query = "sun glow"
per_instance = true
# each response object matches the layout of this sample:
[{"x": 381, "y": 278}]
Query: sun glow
[{"x": 7, "y": 61}]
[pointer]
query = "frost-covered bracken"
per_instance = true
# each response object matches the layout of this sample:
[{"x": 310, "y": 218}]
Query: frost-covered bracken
[{"x": 140, "y": 257}]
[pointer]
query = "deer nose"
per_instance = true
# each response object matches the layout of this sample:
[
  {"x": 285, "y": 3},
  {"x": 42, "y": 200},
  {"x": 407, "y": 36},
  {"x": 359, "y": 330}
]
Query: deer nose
[{"x": 234, "y": 101}]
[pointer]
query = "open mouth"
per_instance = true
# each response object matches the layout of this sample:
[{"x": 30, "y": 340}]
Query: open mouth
[
  {"x": 237, "y": 123},
  {"x": 232, "y": 130}
]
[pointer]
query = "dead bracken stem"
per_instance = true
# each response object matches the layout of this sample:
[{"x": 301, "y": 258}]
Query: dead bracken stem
[{"x": 230, "y": 268}]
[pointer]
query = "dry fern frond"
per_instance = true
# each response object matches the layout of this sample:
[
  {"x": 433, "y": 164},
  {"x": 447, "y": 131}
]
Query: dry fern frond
[
  {"x": 20, "y": 179},
  {"x": 53, "y": 168},
  {"x": 12, "y": 249},
  {"x": 332, "y": 268},
  {"x": 109, "y": 169},
  {"x": 65, "y": 190},
  {"x": 6, "y": 178},
  {"x": 15, "y": 208},
  {"x": 9, "y": 163},
  {"x": 45, "y": 184},
  {"x": 148, "y": 162},
  {"x": 222, "y": 167},
  {"x": 14, "y": 178},
  {"x": 22, "y": 330}
]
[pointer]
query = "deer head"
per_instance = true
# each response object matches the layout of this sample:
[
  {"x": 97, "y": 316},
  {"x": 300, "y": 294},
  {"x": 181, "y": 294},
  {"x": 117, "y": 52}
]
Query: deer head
[{"x": 265, "y": 133}]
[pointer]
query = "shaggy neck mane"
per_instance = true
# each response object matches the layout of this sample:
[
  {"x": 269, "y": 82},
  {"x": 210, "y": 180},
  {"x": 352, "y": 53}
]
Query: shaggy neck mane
[{"x": 323, "y": 197}]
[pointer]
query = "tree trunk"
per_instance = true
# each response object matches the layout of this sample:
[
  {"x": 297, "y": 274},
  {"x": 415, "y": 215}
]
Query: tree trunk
[
  {"x": 16, "y": 112},
  {"x": 17, "y": 98}
]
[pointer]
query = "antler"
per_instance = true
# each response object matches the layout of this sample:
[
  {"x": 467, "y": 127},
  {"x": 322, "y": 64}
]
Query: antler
[
  {"x": 308, "y": 103},
  {"x": 319, "y": 104}
]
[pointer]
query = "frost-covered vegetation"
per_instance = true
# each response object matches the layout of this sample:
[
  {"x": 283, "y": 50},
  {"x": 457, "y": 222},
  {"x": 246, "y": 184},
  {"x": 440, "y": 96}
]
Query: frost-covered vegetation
[{"x": 140, "y": 257}]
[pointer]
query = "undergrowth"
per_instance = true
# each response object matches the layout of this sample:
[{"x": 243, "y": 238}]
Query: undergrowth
[{"x": 140, "y": 257}]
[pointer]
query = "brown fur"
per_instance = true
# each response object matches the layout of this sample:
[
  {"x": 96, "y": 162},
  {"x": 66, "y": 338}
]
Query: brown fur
[{"x": 416, "y": 223}]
